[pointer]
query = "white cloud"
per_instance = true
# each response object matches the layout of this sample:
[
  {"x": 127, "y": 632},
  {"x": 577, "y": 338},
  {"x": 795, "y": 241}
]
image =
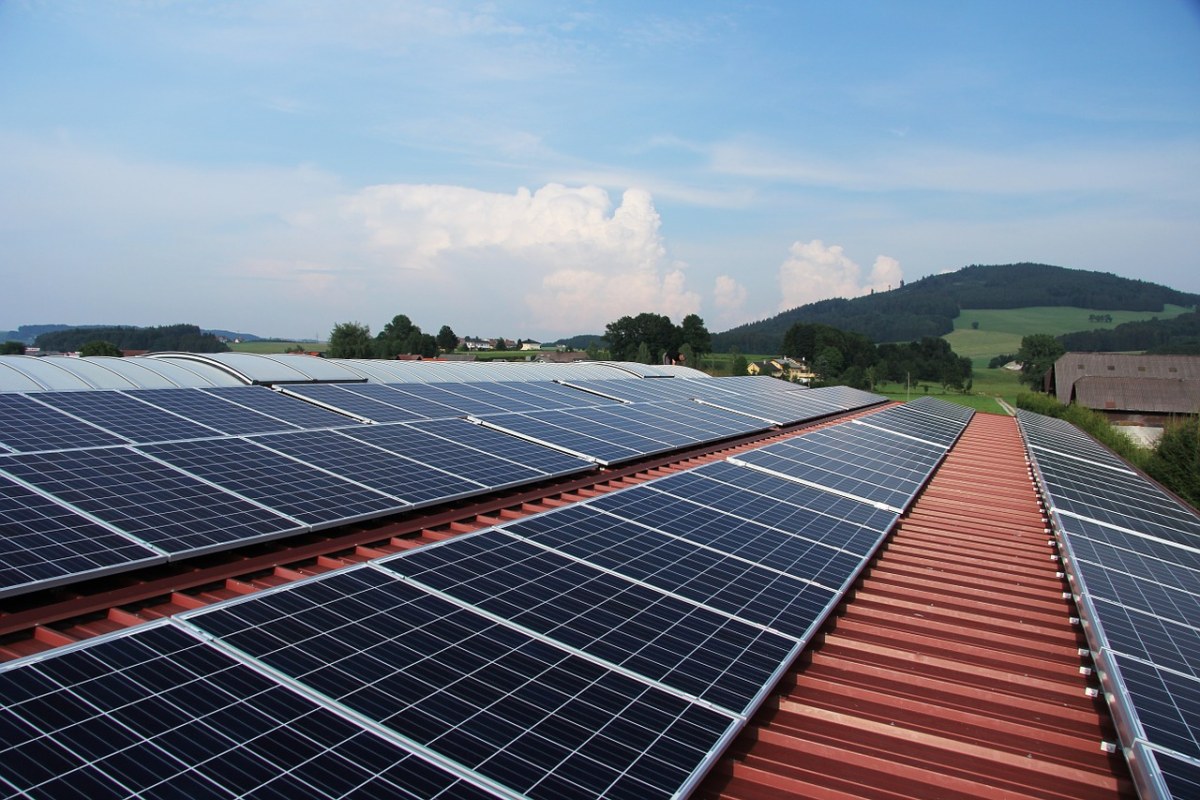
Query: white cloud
[
  {"x": 563, "y": 255},
  {"x": 815, "y": 272},
  {"x": 729, "y": 298}
]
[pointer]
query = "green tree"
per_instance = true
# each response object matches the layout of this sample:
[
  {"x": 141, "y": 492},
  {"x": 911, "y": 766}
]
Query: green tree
[
  {"x": 99, "y": 347},
  {"x": 396, "y": 337},
  {"x": 1037, "y": 355},
  {"x": 643, "y": 354},
  {"x": 1175, "y": 462},
  {"x": 627, "y": 334},
  {"x": 11, "y": 348},
  {"x": 738, "y": 365},
  {"x": 423, "y": 344},
  {"x": 350, "y": 340},
  {"x": 828, "y": 364},
  {"x": 693, "y": 334},
  {"x": 447, "y": 339},
  {"x": 688, "y": 356}
]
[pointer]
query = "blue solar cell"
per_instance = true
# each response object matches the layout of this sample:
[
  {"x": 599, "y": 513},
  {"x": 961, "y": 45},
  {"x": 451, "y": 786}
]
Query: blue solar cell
[
  {"x": 150, "y": 501},
  {"x": 28, "y": 426},
  {"x": 838, "y": 474},
  {"x": 531, "y": 716},
  {"x": 280, "y": 406},
  {"x": 158, "y": 713},
  {"x": 705, "y": 526},
  {"x": 464, "y": 462},
  {"x": 679, "y": 644},
  {"x": 290, "y": 487},
  {"x": 415, "y": 407},
  {"x": 779, "y": 502},
  {"x": 535, "y": 456},
  {"x": 43, "y": 543},
  {"x": 382, "y": 470},
  {"x": 125, "y": 416},
  {"x": 460, "y": 397},
  {"x": 1167, "y": 704},
  {"x": 725, "y": 583},
  {"x": 553, "y": 429},
  {"x": 1166, "y": 643},
  {"x": 213, "y": 411},
  {"x": 350, "y": 403}
]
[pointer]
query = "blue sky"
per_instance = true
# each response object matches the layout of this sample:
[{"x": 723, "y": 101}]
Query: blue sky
[{"x": 538, "y": 169}]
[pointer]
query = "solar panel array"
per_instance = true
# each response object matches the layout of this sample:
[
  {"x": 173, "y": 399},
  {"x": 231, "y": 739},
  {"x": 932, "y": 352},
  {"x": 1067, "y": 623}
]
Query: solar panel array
[
  {"x": 1132, "y": 554},
  {"x": 660, "y": 415},
  {"x": 93, "y": 483},
  {"x": 612, "y": 648}
]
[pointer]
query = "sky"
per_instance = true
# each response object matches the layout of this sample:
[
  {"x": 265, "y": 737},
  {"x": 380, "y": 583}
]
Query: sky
[{"x": 534, "y": 169}]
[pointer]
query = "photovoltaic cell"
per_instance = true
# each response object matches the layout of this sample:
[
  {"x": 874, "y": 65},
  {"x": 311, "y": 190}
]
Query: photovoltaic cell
[
  {"x": 502, "y": 445},
  {"x": 1168, "y": 705},
  {"x": 148, "y": 500},
  {"x": 43, "y": 543},
  {"x": 274, "y": 404},
  {"x": 381, "y": 470},
  {"x": 731, "y": 585},
  {"x": 839, "y": 472},
  {"x": 295, "y": 489},
  {"x": 126, "y": 417},
  {"x": 213, "y": 411},
  {"x": 554, "y": 430},
  {"x": 1163, "y": 642},
  {"x": 159, "y": 714},
  {"x": 524, "y": 713},
  {"x": 350, "y": 403},
  {"x": 463, "y": 462},
  {"x": 709, "y": 527},
  {"x": 27, "y": 426},
  {"x": 416, "y": 407},
  {"x": 681, "y": 645}
]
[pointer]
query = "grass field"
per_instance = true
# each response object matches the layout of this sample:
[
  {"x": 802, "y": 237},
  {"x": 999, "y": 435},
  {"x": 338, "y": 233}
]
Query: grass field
[
  {"x": 987, "y": 385},
  {"x": 1000, "y": 330},
  {"x": 268, "y": 346}
]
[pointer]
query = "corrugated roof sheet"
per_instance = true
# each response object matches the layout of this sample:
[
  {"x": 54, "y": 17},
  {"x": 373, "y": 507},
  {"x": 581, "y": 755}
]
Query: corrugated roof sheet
[
  {"x": 954, "y": 672},
  {"x": 1147, "y": 395},
  {"x": 1071, "y": 367}
]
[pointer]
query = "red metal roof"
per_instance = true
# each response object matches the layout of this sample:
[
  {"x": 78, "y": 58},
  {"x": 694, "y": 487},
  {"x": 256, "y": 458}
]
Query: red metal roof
[{"x": 953, "y": 672}]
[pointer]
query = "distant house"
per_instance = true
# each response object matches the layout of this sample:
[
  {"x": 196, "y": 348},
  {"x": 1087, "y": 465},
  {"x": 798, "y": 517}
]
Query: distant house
[
  {"x": 789, "y": 369},
  {"x": 472, "y": 343},
  {"x": 531, "y": 345},
  {"x": 1139, "y": 389}
]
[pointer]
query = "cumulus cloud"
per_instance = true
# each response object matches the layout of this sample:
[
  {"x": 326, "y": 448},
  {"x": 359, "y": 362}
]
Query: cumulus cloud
[
  {"x": 729, "y": 298},
  {"x": 815, "y": 272},
  {"x": 565, "y": 255}
]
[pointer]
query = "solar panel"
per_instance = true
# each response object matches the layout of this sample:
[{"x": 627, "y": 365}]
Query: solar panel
[
  {"x": 158, "y": 713},
  {"x": 837, "y": 470},
  {"x": 274, "y": 404},
  {"x": 156, "y": 504},
  {"x": 43, "y": 543},
  {"x": 543, "y": 459},
  {"x": 661, "y": 637},
  {"x": 362, "y": 463},
  {"x": 706, "y": 526},
  {"x": 213, "y": 411},
  {"x": 290, "y": 487},
  {"x": 336, "y": 396},
  {"x": 1131, "y": 554},
  {"x": 918, "y": 423},
  {"x": 778, "y": 502},
  {"x": 128, "y": 418},
  {"x": 725, "y": 583},
  {"x": 464, "y": 462},
  {"x": 1167, "y": 704},
  {"x": 554, "y": 429},
  {"x": 463, "y": 400},
  {"x": 531, "y": 716},
  {"x": 417, "y": 407},
  {"x": 780, "y": 408},
  {"x": 27, "y": 426},
  {"x": 1180, "y": 778}
]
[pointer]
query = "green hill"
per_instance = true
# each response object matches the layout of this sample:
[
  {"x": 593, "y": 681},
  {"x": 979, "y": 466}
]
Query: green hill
[{"x": 931, "y": 306}]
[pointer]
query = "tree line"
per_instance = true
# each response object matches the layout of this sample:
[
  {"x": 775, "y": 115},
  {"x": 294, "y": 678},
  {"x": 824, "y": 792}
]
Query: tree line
[
  {"x": 852, "y": 359},
  {"x": 185, "y": 338},
  {"x": 398, "y": 337},
  {"x": 654, "y": 339}
]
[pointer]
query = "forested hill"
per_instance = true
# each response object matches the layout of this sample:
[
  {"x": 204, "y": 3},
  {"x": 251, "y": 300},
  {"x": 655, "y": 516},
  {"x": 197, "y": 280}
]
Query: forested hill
[
  {"x": 188, "y": 338},
  {"x": 927, "y": 307}
]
